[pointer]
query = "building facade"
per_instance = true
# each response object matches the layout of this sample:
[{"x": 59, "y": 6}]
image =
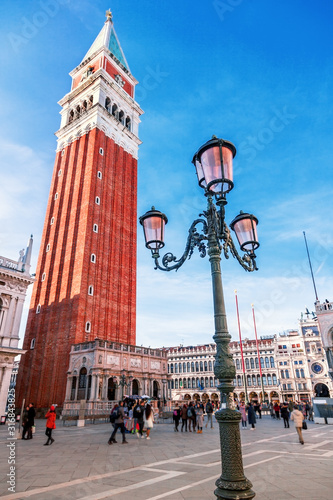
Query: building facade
[
  {"x": 14, "y": 280},
  {"x": 86, "y": 274},
  {"x": 324, "y": 312},
  {"x": 100, "y": 372},
  {"x": 292, "y": 366}
]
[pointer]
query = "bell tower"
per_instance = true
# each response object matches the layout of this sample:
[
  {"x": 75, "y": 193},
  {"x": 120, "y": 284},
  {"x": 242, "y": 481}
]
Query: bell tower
[{"x": 86, "y": 273}]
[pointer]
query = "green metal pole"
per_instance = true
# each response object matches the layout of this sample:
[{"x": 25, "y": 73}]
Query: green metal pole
[{"x": 232, "y": 484}]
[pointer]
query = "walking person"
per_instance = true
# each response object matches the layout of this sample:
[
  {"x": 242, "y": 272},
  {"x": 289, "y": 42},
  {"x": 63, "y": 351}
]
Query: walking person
[
  {"x": 200, "y": 413},
  {"x": 176, "y": 417},
  {"x": 242, "y": 409},
  {"x": 285, "y": 415},
  {"x": 25, "y": 423},
  {"x": 148, "y": 419},
  {"x": 31, "y": 419},
  {"x": 183, "y": 415},
  {"x": 209, "y": 410},
  {"x": 271, "y": 410},
  {"x": 119, "y": 424},
  {"x": 191, "y": 417},
  {"x": 138, "y": 417},
  {"x": 50, "y": 425},
  {"x": 297, "y": 417},
  {"x": 310, "y": 413},
  {"x": 277, "y": 410},
  {"x": 251, "y": 415}
]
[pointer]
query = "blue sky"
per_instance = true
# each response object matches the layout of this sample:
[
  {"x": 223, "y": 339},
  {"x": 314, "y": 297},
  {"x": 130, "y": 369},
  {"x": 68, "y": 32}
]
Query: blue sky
[{"x": 257, "y": 73}]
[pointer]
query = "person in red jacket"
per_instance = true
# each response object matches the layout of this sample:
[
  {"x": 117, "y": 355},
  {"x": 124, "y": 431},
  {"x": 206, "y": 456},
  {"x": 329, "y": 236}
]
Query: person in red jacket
[{"x": 50, "y": 425}]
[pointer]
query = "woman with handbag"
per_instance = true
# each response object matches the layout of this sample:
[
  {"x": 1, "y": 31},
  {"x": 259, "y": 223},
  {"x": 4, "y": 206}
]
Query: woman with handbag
[{"x": 297, "y": 417}]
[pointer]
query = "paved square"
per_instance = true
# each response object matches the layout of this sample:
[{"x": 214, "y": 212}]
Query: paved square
[{"x": 175, "y": 466}]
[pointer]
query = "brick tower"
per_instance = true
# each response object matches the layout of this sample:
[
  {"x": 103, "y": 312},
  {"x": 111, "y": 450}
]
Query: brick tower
[{"x": 86, "y": 274}]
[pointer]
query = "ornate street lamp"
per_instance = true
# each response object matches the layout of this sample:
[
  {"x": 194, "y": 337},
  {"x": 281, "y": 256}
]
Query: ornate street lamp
[
  {"x": 213, "y": 162},
  {"x": 122, "y": 382}
]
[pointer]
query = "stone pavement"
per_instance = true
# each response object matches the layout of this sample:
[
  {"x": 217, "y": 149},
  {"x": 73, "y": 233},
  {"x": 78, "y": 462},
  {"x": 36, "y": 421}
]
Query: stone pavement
[{"x": 175, "y": 466}]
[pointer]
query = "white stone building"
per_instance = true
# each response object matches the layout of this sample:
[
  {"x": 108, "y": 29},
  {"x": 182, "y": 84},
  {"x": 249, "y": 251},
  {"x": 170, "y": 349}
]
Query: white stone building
[
  {"x": 100, "y": 372},
  {"x": 293, "y": 366},
  {"x": 14, "y": 280}
]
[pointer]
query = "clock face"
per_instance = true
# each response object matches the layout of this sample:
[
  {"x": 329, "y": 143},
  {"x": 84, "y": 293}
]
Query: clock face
[{"x": 317, "y": 368}]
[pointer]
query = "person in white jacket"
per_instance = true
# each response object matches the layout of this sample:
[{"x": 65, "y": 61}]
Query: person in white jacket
[{"x": 297, "y": 417}]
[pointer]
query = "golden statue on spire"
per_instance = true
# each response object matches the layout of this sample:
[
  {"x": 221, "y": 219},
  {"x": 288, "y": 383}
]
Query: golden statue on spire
[{"x": 108, "y": 14}]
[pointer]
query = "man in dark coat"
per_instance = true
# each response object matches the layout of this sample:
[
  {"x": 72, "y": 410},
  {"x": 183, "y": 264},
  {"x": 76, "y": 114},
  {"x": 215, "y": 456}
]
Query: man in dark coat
[
  {"x": 119, "y": 424},
  {"x": 138, "y": 413},
  {"x": 31, "y": 419},
  {"x": 251, "y": 415}
]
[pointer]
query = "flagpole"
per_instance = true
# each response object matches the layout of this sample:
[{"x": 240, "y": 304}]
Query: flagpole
[
  {"x": 255, "y": 331},
  {"x": 313, "y": 281},
  {"x": 241, "y": 349}
]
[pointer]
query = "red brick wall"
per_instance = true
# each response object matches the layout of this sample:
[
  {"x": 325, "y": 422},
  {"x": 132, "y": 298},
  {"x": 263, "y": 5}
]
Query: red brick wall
[{"x": 63, "y": 295}]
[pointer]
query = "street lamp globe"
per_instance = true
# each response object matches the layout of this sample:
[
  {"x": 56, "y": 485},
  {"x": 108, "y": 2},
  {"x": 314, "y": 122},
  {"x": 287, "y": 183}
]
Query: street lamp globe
[
  {"x": 245, "y": 227},
  {"x": 214, "y": 163},
  {"x": 153, "y": 223}
]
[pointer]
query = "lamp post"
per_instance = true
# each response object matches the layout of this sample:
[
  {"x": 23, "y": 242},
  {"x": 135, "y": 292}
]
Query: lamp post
[
  {"x": 122, "y": 383},
  {"x": 213, "y": 162}
]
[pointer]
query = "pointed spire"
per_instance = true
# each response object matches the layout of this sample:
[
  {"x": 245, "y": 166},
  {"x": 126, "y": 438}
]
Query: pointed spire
[
  {"x": 107, "y": 38},
  {"x": 27, "y": 256}
]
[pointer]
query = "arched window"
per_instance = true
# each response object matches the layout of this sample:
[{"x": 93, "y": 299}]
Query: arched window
[
  {"x": 84, "y": 106},
  {"x": 258, "y": 380},
  {"x": 95, "y": 228},
  {"x": 81, "y": 394},
  {"x": 108, "y": 104},
  {"x": 202, "y": 382},
  {"x": 302, "y": 373},
  {"x": 196, "y": 366},
  {"x": 88, "y": 326},
  {"x": 252, "y": 363},
  {"x": 99, "y": 174},
  {"x": 287, "y": 373},
  {"x": 93, "y": 258},
  {"x": 210, "y": 366},
  {"x": 91, "y": 100},
  {"x": 237, "y": 364},
  {"x": 180, "y": 368},
  {"x": 257, "y": 363},
  {"x": 73, "y": 389},
  {"x": 121, "y": 117},
  {"x": 254, "y": 381},
  {"x": 247, "y": 364},
  {"x": 171, "y": 368},
  {"x": 97, "y": 200},
  {"x": 264, "y": 380},
  {"x": 114, "y": 110},
  {"x": 188, "y": 367},
  {"x": 262, "y": 362},
  {"x": 172, "y": 384},
  {"x": 193, "y": 383},
  {"x": 201, "y": 366},
  {"x": 90, "y": 290},
  {"x": 272, "y": 362},
  {"x": 269, "y": 379},
  {"x": 267, "y": 362},
  {"x": 297, "y": 373},
  {"x": 168, "y": 368},
  {"x": 192, "y": 366},
  {"x": 77, "y": 111},
  {"x": 176, "y": 367},
  {"x": 205, "y": 366},
  {"x": 249, "y": 381},
  {"x": 176, "y": 383},
  {"x": 184, "y": 367},
  {"x": 274, "y": 379},
  {"x": 71, "y": 116},
  {"x": 184, "y": 386},
  {"x": 239, "y": 381},
  {"x": 128, "y": 123},
  {"x": 211, "y": 382},
  {"x": 206, "y": 381}
]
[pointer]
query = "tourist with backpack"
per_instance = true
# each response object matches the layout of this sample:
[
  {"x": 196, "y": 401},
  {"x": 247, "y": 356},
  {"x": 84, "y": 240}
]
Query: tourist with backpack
[
  {"x": 138, "y": 417},
  {"x": 191, "y": 418},
  {"x": 117, "y": 418},
  {"x": 209, "y": 410},
  {"x": 176, "y": 417}
]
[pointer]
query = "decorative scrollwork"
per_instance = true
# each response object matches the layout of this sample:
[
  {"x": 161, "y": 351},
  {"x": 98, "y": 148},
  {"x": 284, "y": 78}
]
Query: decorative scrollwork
[
  {"x": 247, "y": 261},
  {"x": 194, "y": 239}
]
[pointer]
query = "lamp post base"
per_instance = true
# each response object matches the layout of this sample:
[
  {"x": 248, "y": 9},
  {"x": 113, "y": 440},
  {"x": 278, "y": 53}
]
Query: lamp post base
[{"x": 232, "y": 484}]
